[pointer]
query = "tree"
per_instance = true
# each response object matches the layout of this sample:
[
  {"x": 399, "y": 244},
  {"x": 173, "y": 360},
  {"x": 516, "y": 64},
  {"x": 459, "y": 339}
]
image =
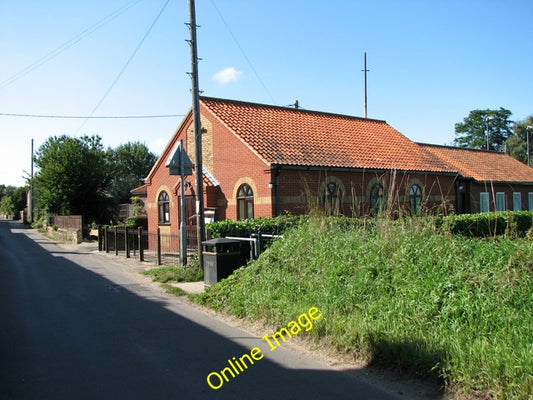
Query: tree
[
  {"x": 517, "y": 143},
  {"x": 73, "y": 177},
  {"x": 7, "y": 190},
  {"x": 130, "y": 164},
  {"x": 6, "y": 206},
  {"x": 12, "y": 200},
  {"x": 19, "y": 199},
  {"x": 472, "y": 132}
]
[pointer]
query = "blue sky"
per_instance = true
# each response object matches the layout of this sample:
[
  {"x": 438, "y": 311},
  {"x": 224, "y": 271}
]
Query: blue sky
[{"x": 430, "y": 62}]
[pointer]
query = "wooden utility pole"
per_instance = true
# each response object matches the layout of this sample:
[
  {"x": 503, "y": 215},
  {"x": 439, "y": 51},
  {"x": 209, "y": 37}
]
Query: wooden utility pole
[
  {"x": 197, "y": 134},
  {"x": 365, "y": 71},
  {"x": 29, "y": 217}
]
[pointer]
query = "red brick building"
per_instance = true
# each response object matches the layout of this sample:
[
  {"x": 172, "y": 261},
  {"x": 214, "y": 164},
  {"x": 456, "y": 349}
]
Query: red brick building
[
  {"x": 487, "y": 181},
  {"x": 262, "y": 161}
]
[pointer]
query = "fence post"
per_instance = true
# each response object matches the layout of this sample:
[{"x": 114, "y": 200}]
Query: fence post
[
  {"x": 106, "y": 240},
  {"x": 126, "y": 242},
  {"x": 258, "y": 245},
  {"x": 158, "y": 246},
  {"x": 116, "y": 242},
  {"x": 139, "y": 238},
  {"x": 99, "y": 238}
]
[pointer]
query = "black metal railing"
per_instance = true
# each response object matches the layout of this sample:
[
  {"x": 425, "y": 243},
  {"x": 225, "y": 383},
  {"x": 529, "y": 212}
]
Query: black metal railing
[{"x": 161, "y": 249}]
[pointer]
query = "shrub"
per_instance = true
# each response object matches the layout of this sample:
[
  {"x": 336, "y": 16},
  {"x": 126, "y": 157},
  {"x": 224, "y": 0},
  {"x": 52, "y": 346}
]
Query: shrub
[
  {"x": 509, "y": 223},
  {"x": 272, "y": 226}
]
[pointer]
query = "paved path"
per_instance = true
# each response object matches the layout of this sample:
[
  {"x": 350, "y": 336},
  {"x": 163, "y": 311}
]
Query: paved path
[{"x": 79, "y": 325}]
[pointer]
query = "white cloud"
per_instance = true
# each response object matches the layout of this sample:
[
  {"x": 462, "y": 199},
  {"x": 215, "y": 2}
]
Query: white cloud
[
  {"x": 227, "y": 75},
  {"x": 158, "y": 145}
]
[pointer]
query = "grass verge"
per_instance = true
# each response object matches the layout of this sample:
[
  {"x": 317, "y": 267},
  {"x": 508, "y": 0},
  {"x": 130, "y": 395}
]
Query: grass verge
[
  {"x": 175, "y": 274},
  {"x": 173, "y": 290},
  {"x": 400, "y": 294}
]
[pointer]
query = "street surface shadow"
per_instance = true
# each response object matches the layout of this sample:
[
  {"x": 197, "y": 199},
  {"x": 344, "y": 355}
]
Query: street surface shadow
[{"x": 69, "y": 333}]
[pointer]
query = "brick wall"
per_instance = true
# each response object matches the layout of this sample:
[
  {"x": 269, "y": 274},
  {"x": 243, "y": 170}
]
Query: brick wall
[
  {"x": 234, "y": 164},
  {"x": 301, "y": 189},
  {"x": 230, "y": 161},
  {"x": 476, "y": 188}
]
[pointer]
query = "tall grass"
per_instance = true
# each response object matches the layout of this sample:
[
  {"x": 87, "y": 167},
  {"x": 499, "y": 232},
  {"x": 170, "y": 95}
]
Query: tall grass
[{"x": 397, "y": 293}]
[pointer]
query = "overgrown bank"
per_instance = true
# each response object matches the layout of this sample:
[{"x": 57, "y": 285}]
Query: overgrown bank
[{"x": 400, "y": 294}]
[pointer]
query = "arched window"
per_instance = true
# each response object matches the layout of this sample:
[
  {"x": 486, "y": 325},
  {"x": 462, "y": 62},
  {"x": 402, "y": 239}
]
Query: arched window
[
  {"x": 163, "y": 204},
  {"x": 332, "y": 199},
  {"x": 415, "y": 198},
  {"x": 376, "y": 198},
  {"x": 245, "y": 202}
]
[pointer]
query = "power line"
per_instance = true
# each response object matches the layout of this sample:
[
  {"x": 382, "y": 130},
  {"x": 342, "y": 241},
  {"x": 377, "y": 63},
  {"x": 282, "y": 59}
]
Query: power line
[
  {"x": 243, "y": 52},
  {"x": 67, "y": 45},
  {"x": 127, "y": 63},
  {"x": 92, "y": 116}
]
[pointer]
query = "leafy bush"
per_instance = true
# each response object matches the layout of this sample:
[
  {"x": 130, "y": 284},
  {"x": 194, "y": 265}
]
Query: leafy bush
[
  {"x": 136, "y": 221},
  {"x": 509, "y": 223},
  {"x": 272, "y": 226}
]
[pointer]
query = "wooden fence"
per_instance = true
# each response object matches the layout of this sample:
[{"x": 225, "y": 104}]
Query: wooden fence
[{"x": 68, "y": 221}]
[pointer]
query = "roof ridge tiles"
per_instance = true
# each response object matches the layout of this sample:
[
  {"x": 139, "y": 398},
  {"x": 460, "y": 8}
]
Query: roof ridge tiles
[
  {"x": 286, "y": 108},
  {"x": 459, "y": 148}
]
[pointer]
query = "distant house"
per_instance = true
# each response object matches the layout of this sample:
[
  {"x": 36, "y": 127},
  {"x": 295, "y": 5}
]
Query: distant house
[{"x": 263, "y": 161}]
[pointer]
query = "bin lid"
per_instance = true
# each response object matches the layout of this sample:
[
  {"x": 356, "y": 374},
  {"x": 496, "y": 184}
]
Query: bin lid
[{"x": 213, "y": 242}]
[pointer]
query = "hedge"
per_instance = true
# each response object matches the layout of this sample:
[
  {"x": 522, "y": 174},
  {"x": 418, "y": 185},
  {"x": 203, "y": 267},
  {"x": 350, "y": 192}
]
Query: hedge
[
  {"x": 272, "y": 226},
  {"x": 508, "y": 223}
]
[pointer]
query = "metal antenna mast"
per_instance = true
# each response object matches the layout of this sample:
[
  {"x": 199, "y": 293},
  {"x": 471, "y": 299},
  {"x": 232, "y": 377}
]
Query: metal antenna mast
[
  {"x": 365, "y": 71},
  {"x": 197, "y": 134}
]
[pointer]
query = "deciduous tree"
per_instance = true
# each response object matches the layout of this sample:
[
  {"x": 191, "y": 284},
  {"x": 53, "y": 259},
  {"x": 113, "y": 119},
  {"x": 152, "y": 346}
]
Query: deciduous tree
[
  {"x": 6, "y": 206},
  {"x": 130, "y": 164},
  {"x": 73, "y": 176}
]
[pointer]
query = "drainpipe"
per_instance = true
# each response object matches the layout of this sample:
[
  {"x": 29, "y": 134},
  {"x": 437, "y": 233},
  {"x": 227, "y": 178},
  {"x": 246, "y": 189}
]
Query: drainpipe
[
  {"x": 275, "y": 186},
  {"x": 276, "y": 182},
  {"x": 458, "y": 206}
]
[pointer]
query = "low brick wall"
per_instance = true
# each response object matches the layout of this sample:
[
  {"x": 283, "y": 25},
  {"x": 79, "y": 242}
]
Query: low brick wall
[{"x": 71, "y": 235}]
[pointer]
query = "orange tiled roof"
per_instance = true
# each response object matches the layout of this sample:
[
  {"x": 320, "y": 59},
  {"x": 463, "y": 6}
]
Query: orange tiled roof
[
  {"x": 288, "y": 136},
  {"x": 483, "y": 166}
]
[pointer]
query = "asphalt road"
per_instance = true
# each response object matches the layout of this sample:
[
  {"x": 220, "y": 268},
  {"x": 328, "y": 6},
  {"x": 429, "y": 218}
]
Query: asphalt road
[{"x": 79, "y": 325}]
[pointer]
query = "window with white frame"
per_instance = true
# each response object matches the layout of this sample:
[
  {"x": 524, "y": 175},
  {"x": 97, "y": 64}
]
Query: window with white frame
[
  {"x": 163, "y": 204},
  {"x": 245, "y": 202},
  {"x": 500, "y": 201},
  {"x": 530, "y": 201},
  {"x": 517, "y": 201},
  {"x": 484, "y": 205}
]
